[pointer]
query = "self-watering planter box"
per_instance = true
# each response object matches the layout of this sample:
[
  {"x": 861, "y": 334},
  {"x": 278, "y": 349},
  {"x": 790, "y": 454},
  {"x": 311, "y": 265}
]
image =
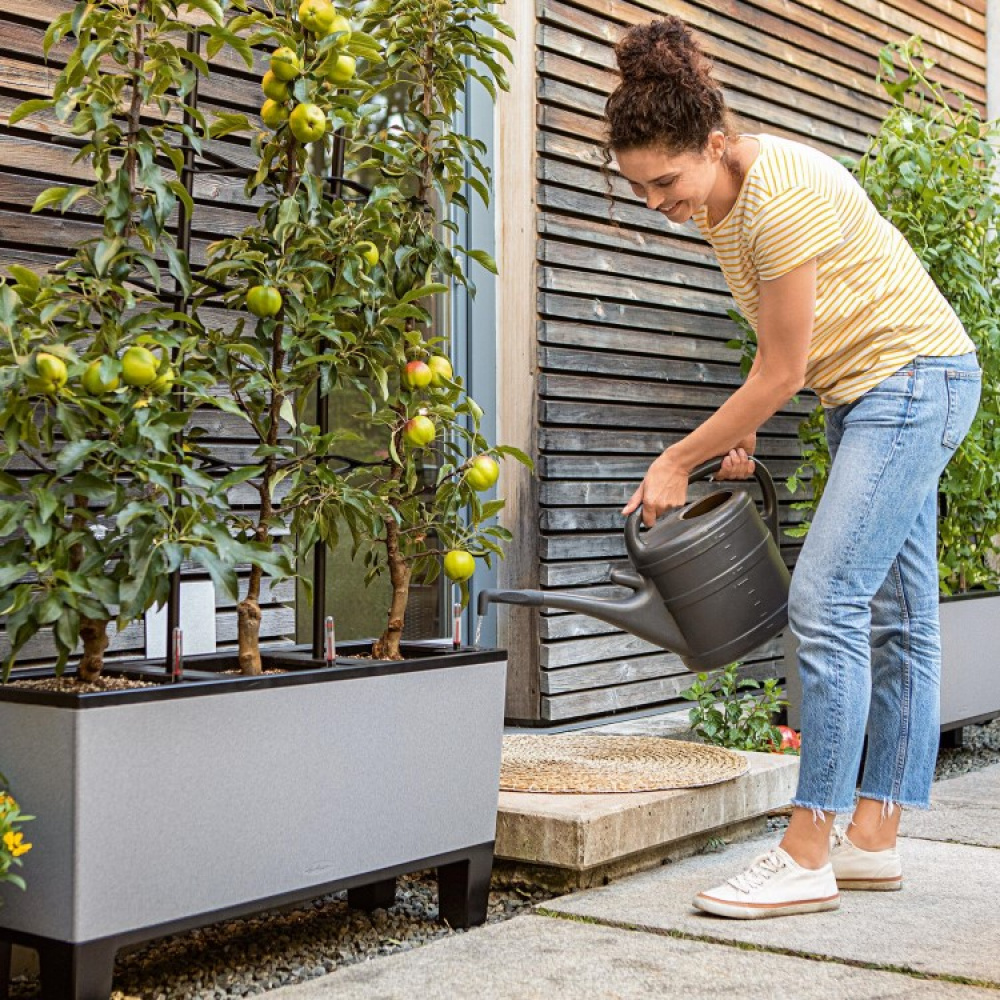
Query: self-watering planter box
[{"x": 160, "y": 809}]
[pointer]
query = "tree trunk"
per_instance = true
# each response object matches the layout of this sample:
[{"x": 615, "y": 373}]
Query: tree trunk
[
  {"x": 386, "y": 647},
  {"x": 248, "y": 627},
  {"x": 94, "y": 633}
]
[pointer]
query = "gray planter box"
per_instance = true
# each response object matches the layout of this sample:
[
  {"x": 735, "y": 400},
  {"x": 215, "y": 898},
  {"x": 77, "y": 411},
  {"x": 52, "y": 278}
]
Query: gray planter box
[
  {"x": 970, "y": 662},
  {"x": 165, "y": 808}
]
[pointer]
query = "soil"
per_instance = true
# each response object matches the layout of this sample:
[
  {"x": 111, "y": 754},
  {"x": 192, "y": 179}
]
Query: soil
[{"x": 70, "y": 685}]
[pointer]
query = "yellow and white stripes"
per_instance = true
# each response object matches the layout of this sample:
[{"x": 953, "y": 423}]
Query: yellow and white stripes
[{"x": 876, "y": 306}]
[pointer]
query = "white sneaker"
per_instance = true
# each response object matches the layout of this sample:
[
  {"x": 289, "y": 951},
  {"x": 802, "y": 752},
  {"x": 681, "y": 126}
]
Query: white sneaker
[
  {"x": 856, "y": 868},
  {"x": 775, "y": 885}
]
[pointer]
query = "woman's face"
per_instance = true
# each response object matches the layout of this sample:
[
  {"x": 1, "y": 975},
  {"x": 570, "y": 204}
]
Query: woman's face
[{"x": 676, "y": 185}]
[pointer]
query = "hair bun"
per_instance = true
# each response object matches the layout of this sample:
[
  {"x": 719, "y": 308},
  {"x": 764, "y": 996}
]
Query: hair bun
[{"x": 663, "y": 51}]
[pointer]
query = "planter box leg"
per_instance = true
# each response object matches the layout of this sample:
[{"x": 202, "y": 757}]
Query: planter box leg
[
  {"x": 374, "y": 896},
  {"x": 6, "y": 956},
  {"x": 953, "y": 739},
  {"x": 464, "y": 888},
  {"x": 77, "y": 971}
]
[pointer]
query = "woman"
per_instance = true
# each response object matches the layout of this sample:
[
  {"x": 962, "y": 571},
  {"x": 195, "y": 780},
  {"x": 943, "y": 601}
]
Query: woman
[{"x": 841, "y": 305}]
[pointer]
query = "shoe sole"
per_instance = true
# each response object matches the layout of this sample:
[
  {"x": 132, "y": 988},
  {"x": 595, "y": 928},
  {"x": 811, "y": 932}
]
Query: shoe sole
[
  {"x": 871, "y": 884},
  {"x": 758, "y": 911}
]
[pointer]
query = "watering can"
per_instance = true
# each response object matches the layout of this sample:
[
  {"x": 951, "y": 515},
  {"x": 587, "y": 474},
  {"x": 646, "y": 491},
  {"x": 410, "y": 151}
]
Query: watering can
[{"x": 708, "y": 581}]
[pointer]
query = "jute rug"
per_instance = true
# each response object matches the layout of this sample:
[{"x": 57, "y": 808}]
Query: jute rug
[{"x": 588, "y": 763}]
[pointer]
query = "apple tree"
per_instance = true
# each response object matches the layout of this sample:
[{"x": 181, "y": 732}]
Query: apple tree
[{"x": 100, "y": 495}]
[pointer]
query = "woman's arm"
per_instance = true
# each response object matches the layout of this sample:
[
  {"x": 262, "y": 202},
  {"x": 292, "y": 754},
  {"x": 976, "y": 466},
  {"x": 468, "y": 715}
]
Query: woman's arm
[{"x": 784, "y": 329}]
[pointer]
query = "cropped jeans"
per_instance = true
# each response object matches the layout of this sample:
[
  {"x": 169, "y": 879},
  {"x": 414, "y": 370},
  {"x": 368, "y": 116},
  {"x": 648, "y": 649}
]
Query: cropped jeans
[{"x": 864, "y": 595}]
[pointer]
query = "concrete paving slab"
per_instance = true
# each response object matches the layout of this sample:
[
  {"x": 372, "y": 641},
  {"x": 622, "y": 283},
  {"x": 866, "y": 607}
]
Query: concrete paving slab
[
  {"x": 584, "y": 832},
  {"x": 943, "y": 922},
  {"x": 540, "y": 958},
  {"x": 958, "y": 824},
  {"x": 980, "y": 787}
]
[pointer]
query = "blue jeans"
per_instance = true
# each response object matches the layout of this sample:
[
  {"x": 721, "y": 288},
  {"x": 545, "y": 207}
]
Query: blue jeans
[{"x": 864, "y": 596}]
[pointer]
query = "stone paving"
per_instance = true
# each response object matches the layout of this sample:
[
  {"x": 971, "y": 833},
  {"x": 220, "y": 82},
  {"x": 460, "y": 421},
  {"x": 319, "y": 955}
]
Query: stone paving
[{"x": 640, "y": 938}]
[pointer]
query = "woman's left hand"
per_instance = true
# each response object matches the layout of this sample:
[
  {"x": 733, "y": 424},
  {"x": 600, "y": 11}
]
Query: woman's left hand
[
  {"x": 736, "y": 465},
  {"x": 664, "y": 487}
]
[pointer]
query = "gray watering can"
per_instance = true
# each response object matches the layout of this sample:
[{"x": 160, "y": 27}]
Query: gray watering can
[{"x": 708, "y": 583}]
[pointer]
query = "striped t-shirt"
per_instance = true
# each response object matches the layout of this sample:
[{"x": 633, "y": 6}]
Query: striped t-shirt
[{"x": 876, "y": 306}]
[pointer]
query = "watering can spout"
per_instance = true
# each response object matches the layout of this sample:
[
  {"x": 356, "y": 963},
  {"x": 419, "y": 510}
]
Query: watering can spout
[{"x": 642, "y": 613}]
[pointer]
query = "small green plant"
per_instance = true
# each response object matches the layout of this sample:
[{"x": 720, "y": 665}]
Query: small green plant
[
  {"x": 12, "y": 844},
  {"x": 725, "y": 717}
]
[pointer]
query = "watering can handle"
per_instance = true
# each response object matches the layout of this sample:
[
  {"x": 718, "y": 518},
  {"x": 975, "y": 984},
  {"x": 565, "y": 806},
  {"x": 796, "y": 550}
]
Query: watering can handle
[{"x": 763, "y": 477}]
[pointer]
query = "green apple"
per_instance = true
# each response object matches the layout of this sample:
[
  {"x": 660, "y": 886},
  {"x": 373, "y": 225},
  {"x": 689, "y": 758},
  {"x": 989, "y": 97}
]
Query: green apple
[
  {"x": 139, "y": 366},
  {"x": 285, "y": 64},
  {"x": 51, "y": 374},
  {"x": 416, "y": 375},
  {"x": 275, "y": 89},
  {"x": 368, "y": 251},
  {"x": 459, "y": 565},
  {"x": 340, "y": 25},
  {"x": 317, "y": 16},
  {"x": 92, "y": 382},
  {"x": 307, "y": 122},
  {"x": 483, "y": 473},
  {"x": 164, "y": 381},
  {"x": 273, "y": 114},
  {"x": 442, "y": 370},
  {"x": 340, "y": 69},
  {"x": 419, "y": 431},
  {"x": 264, "y": 301}
]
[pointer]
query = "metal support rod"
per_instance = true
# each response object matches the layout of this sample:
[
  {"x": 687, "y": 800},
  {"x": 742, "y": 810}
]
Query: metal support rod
[
  {"x": 181, "y": 304},
  {"x": 323, "y": 422}
]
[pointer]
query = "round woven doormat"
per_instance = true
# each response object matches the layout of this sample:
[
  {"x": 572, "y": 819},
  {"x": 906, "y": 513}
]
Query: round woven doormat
[{"x": 588, "y": 763}]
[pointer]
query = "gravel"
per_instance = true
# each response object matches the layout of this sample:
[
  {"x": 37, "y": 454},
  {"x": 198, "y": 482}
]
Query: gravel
[{"x": 242, "y": 958}]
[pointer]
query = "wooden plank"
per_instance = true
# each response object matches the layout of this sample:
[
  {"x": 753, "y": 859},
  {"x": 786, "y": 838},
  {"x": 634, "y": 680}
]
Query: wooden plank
[
  {"x": 589, "y": 258},
  {"x": 736, "y": 83},
  {"x": 622, "y": 365},
  {"x": 793, "y": 122},
  {"x": 609, "y": 441},
  {"x": 516, "y": 210},
  {"x": 952, "y": 18},
  {"x": 554, "y": 279},
  {"x": 602, "y": 675},
  {"x": 658, "y": 344},
  {"x": 665, "y": 690},
  {"x": 613, "y": 316},
  {"x": 784, "y": 41},
  {"x": 657, "y": 245},
  {"x": 731, "y": 70},
  {"x": 601, "y": 493}
]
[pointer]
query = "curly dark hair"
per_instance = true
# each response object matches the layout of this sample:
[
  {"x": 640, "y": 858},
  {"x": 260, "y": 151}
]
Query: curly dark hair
[{"x": 667, "y": 96}]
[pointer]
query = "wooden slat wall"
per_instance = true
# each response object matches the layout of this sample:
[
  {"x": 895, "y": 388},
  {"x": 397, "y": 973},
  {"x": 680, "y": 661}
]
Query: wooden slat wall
[
  {"x": 38, "y": 153},
  {"x": 632, "y": 320}
]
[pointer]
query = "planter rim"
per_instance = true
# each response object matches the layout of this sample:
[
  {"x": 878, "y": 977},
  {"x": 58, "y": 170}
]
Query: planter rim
[
  {"x": 202, "y": 683},
  {"x": 972, "y": 595}
]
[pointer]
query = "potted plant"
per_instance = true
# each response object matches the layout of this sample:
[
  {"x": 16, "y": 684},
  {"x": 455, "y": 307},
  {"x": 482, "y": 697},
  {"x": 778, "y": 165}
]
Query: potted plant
[
  {"x": 380, "y": 766},
  {"x": 930, "y": 170}
]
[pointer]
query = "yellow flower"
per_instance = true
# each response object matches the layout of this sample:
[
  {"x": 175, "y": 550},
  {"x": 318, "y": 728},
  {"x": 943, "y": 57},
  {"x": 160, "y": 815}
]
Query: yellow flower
[{"x": 14, "y": 842}]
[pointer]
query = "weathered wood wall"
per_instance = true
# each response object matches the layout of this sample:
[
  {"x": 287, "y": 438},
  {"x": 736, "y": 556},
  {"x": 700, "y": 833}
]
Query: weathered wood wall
[
  {"x": 38, "y": 153},
  {"x": 632, "y": 320}
]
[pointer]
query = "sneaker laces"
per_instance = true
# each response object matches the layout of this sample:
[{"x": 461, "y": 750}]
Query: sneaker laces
[
  {"x": 759, "y": 872},
  {"x": 840, "y": 837}
]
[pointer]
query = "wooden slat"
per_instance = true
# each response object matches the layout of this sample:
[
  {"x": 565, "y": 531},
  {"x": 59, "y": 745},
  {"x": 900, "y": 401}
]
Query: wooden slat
[{"x": 607, "y": 700}]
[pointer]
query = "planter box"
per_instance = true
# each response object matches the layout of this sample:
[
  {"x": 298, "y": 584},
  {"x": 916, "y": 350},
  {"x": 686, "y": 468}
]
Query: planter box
[
  {"x": 164, "y": 808},
  {"x": 970, "y": 662}
]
